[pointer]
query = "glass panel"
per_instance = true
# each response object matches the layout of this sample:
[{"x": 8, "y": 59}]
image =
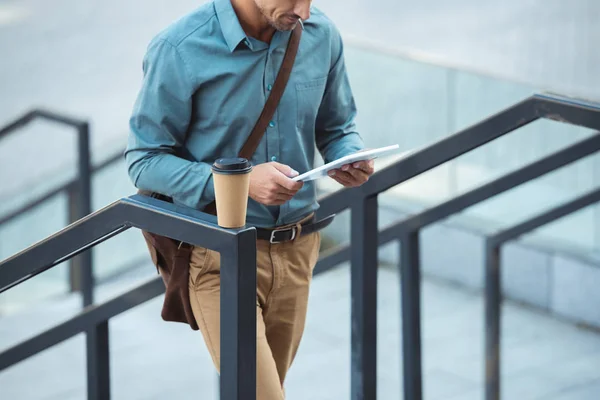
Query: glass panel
[
  {"x": 128, "y": 249},
  {"x": 399, "y": 101},
  {"x": 404, "y": 102},
  {"x": 29, "y": 166},
  {"x": 28, "y": 171},
  {"x": 24, "y": 231},
  {"x": 515, "y": 150},
  {"x": 413, "y": 104},
  {"x": 476, "y": 97}
]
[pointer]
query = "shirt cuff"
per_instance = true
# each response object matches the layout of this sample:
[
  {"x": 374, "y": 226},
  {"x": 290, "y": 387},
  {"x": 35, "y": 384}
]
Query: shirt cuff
[
  {"x": 209, "y": 190},
  {"x": 348, "y": 144}
]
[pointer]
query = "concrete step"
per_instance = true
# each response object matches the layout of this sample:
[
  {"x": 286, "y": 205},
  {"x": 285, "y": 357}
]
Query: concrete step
[{"x": 542, "y": 357}]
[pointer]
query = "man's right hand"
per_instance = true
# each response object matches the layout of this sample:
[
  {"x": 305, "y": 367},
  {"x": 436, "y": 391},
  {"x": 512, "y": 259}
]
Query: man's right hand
[{"x": 270, "y": 184}]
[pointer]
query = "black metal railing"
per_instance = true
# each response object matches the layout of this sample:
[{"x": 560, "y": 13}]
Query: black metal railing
[
  {"x": 365, "y": 237},
  {"x": 493, "y": 289},
  {"x": 238, "y": 287},
  {"x": 81, "y": 274},
  {"x": 365, "y": 240}
]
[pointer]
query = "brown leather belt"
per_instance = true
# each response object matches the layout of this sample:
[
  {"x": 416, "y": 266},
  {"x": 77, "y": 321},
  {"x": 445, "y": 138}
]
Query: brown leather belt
[{"x": 280, "y": 235}]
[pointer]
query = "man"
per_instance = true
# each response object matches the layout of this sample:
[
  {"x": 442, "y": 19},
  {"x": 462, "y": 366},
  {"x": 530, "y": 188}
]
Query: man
[{"x": 206, "y": 79}]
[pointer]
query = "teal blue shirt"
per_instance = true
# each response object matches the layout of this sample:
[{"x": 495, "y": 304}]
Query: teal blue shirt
[{"x": 204, "y": 85}]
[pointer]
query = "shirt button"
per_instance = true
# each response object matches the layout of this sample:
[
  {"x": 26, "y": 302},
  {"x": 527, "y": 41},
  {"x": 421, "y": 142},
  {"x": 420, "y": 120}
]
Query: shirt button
[
  {"x": 269, "y": 87},
  {"x": 273, "y": 158},
  {"x": 271, "y": 124}
]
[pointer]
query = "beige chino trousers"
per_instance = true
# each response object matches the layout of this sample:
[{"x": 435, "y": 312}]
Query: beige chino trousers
[{"x": 284, "y": 273}]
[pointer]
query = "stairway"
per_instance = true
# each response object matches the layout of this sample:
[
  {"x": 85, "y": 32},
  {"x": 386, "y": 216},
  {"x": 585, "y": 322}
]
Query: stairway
[{"x": 544, "y": 358}]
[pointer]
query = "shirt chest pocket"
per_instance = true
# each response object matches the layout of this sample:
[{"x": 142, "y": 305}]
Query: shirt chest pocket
[{"x": 309, "y": 95}]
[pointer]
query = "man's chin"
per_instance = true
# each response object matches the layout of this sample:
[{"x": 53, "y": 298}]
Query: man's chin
[
  {"x": 291, "y": 27},
  {"x": 287, "y": 26}
]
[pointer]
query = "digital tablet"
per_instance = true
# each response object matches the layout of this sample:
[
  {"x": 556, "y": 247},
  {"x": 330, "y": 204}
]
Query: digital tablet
[{"x": 322, "y": 171}]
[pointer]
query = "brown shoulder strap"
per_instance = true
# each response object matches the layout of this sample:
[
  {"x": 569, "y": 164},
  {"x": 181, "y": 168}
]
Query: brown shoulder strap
[{"x": 276, "y": 92}]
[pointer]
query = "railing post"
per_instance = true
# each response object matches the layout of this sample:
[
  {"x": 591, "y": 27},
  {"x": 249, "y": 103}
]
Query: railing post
[
  {"x": 97, "y": 340},
  {"x": 79, "y": 205},
  {"x": 75, "y": 267},
  {"x": 492, "y": 321},
  {"x": 238, "y": 319},
  {"x": 98, "y": 362},
  {"x": 364, "y": 236},
  {"x": 84, "y": 207},
  {"x": 410, "y": 284}
]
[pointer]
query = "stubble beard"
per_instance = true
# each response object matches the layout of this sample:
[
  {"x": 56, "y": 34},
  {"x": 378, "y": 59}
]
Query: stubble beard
[
  {"x": 282, "y": 27},
  {"x": 274, "y": 23}
]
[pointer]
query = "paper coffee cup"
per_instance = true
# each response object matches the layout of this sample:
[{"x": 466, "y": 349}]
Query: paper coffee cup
[{"x": 231, "y": 177}]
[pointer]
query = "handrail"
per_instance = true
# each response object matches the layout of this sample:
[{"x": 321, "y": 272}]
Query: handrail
[
  {"x": 531, "y": 109},
  {"x": 340, "y": 200},
  {"x": 456, "y": 204},
  {"x": 136, "y": 211},
  {"x": 544, "y": 218},
  {"x": 44, "y": 114},
  {"x": 407, "y": 232},
  {"x": 364, "y": 253},
  {"x": 365, "y": 236},
  {"x": 103, "y": 312},
  {"x": 572, "y": 111},
  {"x": 111, "y": 308},
  {"x": 493, "y": 292},
  {"x": 238, "y": 285}
]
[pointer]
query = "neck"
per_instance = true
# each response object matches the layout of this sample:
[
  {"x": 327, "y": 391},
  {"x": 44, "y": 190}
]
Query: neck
[{"x": 253, "y": 22}]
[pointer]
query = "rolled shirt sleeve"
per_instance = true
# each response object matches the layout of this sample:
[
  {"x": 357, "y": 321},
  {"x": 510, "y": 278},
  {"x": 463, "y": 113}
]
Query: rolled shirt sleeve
[
  {"x": 158, "y": 128},
  {"x": 335, "y": 128}
]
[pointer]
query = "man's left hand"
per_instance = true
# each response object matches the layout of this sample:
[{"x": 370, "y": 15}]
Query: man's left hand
[{"x": 353, "y": 175}]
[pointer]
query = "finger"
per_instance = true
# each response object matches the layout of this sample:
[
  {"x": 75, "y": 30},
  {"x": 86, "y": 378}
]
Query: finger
[
  {"x": 356, "y": 177},
  {"x": 345, "y": 175},
  {"x": 348, "y": 168},
  {"x": 342, "y": 177},
  {"x": 285, "y": 169},
  {"x": 366, "y": 166},
  {"x": 289, "y": 184},
  {"x": 358, "y": 174},
  {"x": 341, "y": 181},
  {"x": 277, "y": 186},
  {"x": 336, "y": 173},
  {"x": 344, "y": 182}
]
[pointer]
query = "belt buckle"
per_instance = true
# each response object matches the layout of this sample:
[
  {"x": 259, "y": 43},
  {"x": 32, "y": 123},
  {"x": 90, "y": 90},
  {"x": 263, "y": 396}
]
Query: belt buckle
[{"x": 274, "y": 231}]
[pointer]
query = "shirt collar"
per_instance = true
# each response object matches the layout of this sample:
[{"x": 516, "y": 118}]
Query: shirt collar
[{"x": 230, "y": 25}]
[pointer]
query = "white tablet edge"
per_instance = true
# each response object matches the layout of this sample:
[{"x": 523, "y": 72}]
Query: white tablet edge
[{"x": 354, "y": 157}]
